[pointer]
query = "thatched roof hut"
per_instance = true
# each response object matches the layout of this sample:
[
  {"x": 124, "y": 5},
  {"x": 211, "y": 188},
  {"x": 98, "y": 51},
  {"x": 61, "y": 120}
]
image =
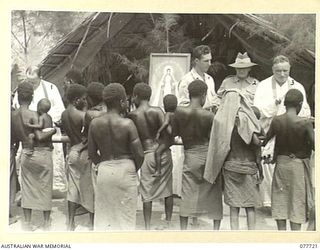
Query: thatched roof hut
[{"x": 108, "y": 47}]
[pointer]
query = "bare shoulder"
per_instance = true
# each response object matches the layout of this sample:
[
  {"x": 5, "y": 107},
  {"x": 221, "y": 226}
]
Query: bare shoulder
[
  {"x": 98, "y": 121},
  {"x": 132, "y": 114},
  {"x": 127, "y": 124},
  {"x": 154, "y": 109}
]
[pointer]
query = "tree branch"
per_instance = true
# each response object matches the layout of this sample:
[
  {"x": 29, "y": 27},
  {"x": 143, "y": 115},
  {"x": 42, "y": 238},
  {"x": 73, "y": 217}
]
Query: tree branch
[{"x": 15, "y": 37}]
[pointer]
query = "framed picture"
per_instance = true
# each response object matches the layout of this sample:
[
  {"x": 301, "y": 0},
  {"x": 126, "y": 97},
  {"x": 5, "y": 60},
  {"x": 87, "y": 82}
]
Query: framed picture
[{"x": 166, "y": 70}]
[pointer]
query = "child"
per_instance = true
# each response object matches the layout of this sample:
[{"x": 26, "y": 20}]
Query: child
[
  {"x": 292, "y": 195},
  {"x": 164, "y": 134},
  {"x": 44, "y": 121}
]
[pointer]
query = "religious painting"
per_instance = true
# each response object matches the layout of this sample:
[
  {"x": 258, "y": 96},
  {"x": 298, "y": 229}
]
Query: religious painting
[{"x": 166, "y": 70}]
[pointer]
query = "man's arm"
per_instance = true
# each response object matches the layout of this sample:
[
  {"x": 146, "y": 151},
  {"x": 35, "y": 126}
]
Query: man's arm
[
  {"x": 92, "y": 147},
  {"x": 135, "y": 145},
  {"x": 44, "y": 136},
  {"x": 269, "y": 135},
  {"x": 310, "y": 134},
  {"x": 183, "y": 98}
]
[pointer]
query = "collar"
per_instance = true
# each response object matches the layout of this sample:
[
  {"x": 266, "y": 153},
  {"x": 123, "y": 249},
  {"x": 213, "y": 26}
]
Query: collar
[
  {"x": 249, "y": 80},
  {"x": 195, "y": 75},
  {"x": 290, "y": 82}
]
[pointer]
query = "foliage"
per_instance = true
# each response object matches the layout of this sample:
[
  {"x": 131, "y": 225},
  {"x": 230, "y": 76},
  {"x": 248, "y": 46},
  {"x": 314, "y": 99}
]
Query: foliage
[
  {"x": 34, "y": 33},
  {"x": 299, "y": 28}
]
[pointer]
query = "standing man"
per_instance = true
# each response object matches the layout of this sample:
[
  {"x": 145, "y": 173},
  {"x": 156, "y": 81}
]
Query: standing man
[
  {"x": 148, "y": 120},
  {"x": 193, "y": 124},
  {"x": 44, "y": 89},
  {"x": 269, "y": 99},
  {"x": 201, "y": 59},
  {"x": 114, "y": 146},
  {"x": 80, "y": 188},
  {"x": 292, "y": 194},
  {"x": 242, "y": 80},
  {"x": 36, "y": 167}
]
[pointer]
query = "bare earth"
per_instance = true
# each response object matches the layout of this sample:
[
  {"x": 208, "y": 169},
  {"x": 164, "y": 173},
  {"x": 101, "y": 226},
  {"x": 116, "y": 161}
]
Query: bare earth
[{"x": 59, "y": 219}]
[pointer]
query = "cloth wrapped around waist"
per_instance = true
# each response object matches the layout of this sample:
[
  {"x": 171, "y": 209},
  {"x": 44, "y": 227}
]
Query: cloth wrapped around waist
[
  {"x": 294, "y": 162},
  {"x": 116, "y": 195},
  {"x": 195, "y": 158},
  {"x": 241, "y": 167}
]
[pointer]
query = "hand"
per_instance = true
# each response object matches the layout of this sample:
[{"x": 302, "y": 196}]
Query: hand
[
  {"x": 49, "y": 130},
  {"x": 157, "y": 136}
]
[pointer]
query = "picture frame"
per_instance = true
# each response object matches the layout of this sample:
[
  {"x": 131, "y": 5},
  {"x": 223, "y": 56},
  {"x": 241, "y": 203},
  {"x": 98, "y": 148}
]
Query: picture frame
[{"x": 166, "y": 70}]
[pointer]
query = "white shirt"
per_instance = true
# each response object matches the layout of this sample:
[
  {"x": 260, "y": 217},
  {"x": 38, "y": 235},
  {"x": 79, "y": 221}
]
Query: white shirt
[
  {"x": 183, "y": 93},
  {"x": 45, "y": 90},
  {"x": 265, "y": 99}
]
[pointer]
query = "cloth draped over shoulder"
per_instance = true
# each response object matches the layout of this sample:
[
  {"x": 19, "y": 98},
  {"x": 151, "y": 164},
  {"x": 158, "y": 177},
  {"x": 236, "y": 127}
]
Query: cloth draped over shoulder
[{"x": 233, "y": 105}]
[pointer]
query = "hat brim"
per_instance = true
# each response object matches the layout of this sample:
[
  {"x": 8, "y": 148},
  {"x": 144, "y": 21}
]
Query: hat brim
[{"x": 242, "y": 65}]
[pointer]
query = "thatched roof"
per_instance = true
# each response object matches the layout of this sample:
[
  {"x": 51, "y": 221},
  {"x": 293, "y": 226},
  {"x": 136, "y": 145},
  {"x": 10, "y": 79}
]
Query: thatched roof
[{"x": 237, "y": 32}]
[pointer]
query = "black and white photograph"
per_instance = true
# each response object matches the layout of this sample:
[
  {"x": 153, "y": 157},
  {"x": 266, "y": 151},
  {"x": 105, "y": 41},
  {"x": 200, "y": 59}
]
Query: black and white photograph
[{"x": 137, "y": 121}]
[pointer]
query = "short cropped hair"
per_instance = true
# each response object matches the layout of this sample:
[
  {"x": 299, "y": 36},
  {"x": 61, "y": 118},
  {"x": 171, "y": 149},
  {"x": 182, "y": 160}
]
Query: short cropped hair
[
  {"x": 25, "y": 92},
  {"x": 200, "y": 50},
  {"x": 170, "y": 103},
  {"x": 113, "y": 93},
  {"x": 197, "y": 88},
  {"x": 280, "y": 59},
  {"x": 143, "y": 91},
  {"x": 75, "y": 76},
  {"x": 44, "y": 104},
  {"x": 75, "y": 91},
  {"x": 293, "y": 98},
  {"x": 95, "y": 90}
]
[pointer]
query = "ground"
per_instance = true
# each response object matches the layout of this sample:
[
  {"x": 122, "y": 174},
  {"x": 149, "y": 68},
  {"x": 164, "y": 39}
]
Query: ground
[{"x": 59, "y": 216}]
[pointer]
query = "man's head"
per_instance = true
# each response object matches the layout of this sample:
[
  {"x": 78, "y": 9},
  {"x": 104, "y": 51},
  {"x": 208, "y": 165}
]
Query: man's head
[
  {"x": 25, "y": 93},
  {"x": 281, "y": 68},
  {"x": 43, "y": 106},
  {"x": 73, "y": 76},
  {"x": 76, "y": 95},
  {"x": 170, "y": 103},
  {"x": 95, "y": 90},
  {"x": 293, "y": 99},
  {"x": 141, "y": 92},
  {"x": 202, "y": 58},
  {"x": 33, "y": 75},
  {"x": 114, "y": 96},
  {"x": 198, "y": 90}
]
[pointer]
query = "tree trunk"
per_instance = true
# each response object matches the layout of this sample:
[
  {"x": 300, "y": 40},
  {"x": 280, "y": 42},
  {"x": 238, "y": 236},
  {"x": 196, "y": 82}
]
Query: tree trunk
[{"x": 25, "y": 47}]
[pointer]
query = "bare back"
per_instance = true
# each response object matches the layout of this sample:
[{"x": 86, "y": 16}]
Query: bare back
[
  {"x": 112, "y": 136},
  {"x": 19, "y": 118},
  {"x": 193, "y": 125},
  {"x": 294, "y": 135},
  {"x": 148, "y": 120},
  {"x": 72, "y": 122}
]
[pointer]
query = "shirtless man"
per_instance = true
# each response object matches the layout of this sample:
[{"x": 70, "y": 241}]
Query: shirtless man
[
  {"x": 36, "y": 169},
  {"x": 95, "y": 104},
  {"x": 193, "y": 124},
  {"x": 292, "y": 196},
  {"x": 148, "y": 120},
  {"x": 114, "y": 146},
  {"x": 73, "y": 121}
]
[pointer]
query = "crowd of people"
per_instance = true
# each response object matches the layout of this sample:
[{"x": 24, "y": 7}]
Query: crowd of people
[{"x": 249, "y": 143}]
